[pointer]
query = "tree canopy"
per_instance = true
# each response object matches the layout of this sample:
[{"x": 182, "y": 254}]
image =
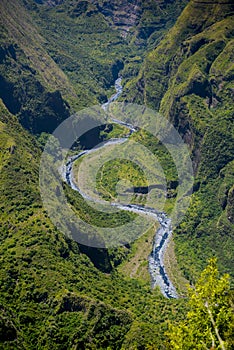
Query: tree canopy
[{"x": 210, "y": 320}]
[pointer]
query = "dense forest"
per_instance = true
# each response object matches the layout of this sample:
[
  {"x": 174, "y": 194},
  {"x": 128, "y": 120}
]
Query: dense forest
[{"x": 176, "y": 58}]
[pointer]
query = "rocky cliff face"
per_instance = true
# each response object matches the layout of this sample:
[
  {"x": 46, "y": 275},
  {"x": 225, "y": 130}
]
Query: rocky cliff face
[
  {"x": 143, "y": 17},
  {"x": 121, "y": 14},
  {"x": 126, "y": 16}
]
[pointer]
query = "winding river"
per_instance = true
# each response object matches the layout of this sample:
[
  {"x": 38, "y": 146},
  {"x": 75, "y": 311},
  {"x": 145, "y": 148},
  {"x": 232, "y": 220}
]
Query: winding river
[{"x": 159, "y": 276}]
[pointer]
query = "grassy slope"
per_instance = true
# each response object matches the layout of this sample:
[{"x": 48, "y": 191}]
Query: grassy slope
[
  {"x": 84, "y": 46},
  {"x": 85, "y": 39},
  {"x": 136, "y": 263},
  {"x": 90, "y": 54},
  {"x": 51, "y": 294},
  {"x": 22, "y": 31},
  {"x": 55, "y": 60},
  {"x": 32, "y": 86},
  {"x": 189, "y": 77}
]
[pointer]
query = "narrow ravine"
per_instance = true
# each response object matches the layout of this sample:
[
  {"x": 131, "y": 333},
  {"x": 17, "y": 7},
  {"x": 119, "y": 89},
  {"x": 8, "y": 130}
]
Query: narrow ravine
[{"x": 159, "y": 276}]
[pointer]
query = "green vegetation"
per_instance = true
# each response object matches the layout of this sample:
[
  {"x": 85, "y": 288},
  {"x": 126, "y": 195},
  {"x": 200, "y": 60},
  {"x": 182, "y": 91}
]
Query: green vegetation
[
  {"x": 141, "y": 162},
  {"x": 210, "y": 319},
  {"x": 189, "y": 79},
  {"x": 91, "y": 215},
  {"x": 113, "y": 131},
  {"x": 58, "y": 56},
  {"x": 31, "y": 87},
  {"x": 116, "y": 170},
  {"x": 56, "y": 60},
  {"x": 135, "y": 264},
  {"x": 51, "y": 293}
]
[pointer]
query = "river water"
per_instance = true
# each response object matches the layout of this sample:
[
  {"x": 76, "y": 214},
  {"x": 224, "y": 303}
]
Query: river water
[{"x": 159, "y": 276}]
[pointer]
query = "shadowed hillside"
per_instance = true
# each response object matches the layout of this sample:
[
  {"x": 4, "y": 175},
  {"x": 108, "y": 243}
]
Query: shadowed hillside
[
  {"x": 189, "y": 78},
  {"x": 56, "y": 57}
]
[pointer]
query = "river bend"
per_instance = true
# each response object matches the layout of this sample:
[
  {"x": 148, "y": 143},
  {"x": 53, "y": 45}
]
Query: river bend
[{"x": 159, "y": 276}]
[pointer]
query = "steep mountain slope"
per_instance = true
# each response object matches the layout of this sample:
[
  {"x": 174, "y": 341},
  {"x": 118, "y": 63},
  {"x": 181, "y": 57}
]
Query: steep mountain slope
[
  {"x": 57, "y": 57},
  {"x": 60, "y": 56},
  {"x": 51, "y": 293},
  {"x": 31, "y": 84},
  {"x": 93, "y": 40},
  {"x": 189, "y": 78}
]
